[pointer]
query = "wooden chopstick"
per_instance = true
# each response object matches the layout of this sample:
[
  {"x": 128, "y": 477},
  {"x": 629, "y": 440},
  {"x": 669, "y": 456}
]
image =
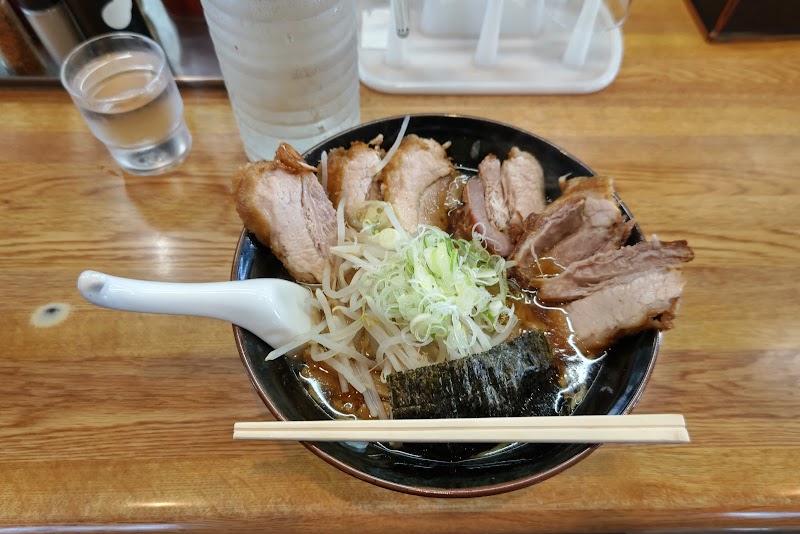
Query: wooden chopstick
[{"x": 658, "y": 428}]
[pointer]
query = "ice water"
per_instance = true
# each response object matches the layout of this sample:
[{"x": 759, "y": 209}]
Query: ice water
[
  {"x": 290, "y": 68},
  {"x": 135, "y": 109}
]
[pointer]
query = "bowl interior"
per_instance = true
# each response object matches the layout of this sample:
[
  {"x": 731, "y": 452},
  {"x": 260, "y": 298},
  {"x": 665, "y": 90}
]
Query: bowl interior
[{"x": 619, "y": 380}]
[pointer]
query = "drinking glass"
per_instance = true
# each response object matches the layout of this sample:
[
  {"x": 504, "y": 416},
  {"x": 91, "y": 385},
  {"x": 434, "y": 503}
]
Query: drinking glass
[
  {"x": 290, "y": 68},
  {"x": 124, "y": 89}
]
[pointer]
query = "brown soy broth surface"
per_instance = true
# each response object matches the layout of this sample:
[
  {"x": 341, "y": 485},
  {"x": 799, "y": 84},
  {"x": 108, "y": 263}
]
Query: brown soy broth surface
[
  {"x": 574, "y": 364},
  {"x": 534, "y": 317},
  {"x": 548, "y": 266},
  {"x": 323, "y": 384}
]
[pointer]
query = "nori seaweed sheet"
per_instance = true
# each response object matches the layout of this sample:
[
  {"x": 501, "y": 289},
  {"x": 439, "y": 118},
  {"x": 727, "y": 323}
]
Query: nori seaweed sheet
[{"x": 516, "y": 378}]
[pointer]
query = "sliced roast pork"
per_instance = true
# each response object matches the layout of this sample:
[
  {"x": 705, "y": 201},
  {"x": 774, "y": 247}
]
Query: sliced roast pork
[
  {"x": 286, "y": 207},
  {"x": 602, "y": 228},
  {"x": 647, "y": 301},
  {"x": 523, "y": 188},
  {"x": 415, "y": 182},
  {"x": 489, "y": 174},
  {"x": 471, "y": 218},
  {"x": 513, "y": 189},
  {"x": 583, "y": 221},
  {"x": 605, "y": 269},
  {"x": 351, "y": 175}
]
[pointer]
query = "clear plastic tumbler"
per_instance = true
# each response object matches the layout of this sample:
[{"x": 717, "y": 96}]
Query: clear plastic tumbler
[
  {"x": 124, "y": 89},
  {"x": 290, "y": 68}
]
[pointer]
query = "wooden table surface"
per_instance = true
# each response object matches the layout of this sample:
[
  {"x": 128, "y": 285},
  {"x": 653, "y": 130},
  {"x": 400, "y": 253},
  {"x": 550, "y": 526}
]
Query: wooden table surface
[{"x": 111, "y": 420}]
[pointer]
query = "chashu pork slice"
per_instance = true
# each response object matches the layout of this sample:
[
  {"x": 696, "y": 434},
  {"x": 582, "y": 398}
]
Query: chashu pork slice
[
  {"x": 415, "y": 183},
  {"x": 514, "y": 189},
  {"x": 352, "y": 176},
  {"x": 471, "y": 218},
  {"x": 523, "y": 188},
  {"x": 619, "y": 309},
  {"x": 489, "y": 173},
  {"x": 583, "y": 221},
  {"x": 605, "y": 269},
  {"x": 286, "y": 207}
]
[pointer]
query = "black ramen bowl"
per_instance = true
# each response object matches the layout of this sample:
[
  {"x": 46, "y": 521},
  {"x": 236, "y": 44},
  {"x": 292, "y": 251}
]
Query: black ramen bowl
[{"x": 616, "y": 386}]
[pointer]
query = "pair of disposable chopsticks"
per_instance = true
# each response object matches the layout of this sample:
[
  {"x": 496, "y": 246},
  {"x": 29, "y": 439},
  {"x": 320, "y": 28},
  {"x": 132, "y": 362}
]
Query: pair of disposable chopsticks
[{"x": 662, "y": 428}]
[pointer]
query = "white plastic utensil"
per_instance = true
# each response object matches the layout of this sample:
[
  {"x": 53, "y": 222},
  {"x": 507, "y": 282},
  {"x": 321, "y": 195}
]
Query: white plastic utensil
[
  {"x": 489, "y": 40},
  {"x": 275, "y": 310},
  {"x": 537, "y": 16},
  {"x": 578, "y": 45},
  {"x": 400, "y": 8},
  {"x": 395, "y": 45}
]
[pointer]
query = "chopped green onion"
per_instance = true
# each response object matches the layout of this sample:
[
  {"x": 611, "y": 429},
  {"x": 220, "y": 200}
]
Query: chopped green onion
[{"x": 441, "y": 288}]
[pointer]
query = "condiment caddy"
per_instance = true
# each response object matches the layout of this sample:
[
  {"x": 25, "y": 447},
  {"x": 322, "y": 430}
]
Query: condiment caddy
[{"x": 490, "y": 47}]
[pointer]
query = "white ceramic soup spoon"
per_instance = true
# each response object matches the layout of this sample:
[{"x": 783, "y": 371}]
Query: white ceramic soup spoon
[{"x": 275, "y": 310}]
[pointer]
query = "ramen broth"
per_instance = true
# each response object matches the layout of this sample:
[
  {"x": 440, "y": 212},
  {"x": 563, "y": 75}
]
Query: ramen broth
[{"x": 576, "y": 367}]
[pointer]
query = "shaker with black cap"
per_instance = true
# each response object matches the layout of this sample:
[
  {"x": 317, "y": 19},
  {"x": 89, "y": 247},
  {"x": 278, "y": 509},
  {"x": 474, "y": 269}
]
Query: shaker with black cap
[
  {"x": 54, "y": 25},
  {"x": 96, "y": 17}
]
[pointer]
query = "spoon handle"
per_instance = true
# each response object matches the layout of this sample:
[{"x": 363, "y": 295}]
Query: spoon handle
[
  {"x": 581, "y": 38},
  {"x": 275, "y": 310},
  {"x": 489, "y": 39}
]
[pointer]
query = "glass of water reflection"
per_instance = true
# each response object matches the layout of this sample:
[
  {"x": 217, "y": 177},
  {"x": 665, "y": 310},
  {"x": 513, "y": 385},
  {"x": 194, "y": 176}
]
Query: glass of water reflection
[{"x": 125, "y": 91}]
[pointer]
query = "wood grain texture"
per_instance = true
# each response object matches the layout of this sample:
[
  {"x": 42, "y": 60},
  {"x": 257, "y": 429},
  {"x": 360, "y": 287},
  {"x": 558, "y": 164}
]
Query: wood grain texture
[{"x": 122, "y": 420}]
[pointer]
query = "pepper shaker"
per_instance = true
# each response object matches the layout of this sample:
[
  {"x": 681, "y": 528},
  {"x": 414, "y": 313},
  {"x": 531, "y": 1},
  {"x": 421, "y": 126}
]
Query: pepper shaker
[
  {"x": 104, "y": 16},
  {"x": 17, "y": 53},
  {"x": 53, "y": 24}
]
